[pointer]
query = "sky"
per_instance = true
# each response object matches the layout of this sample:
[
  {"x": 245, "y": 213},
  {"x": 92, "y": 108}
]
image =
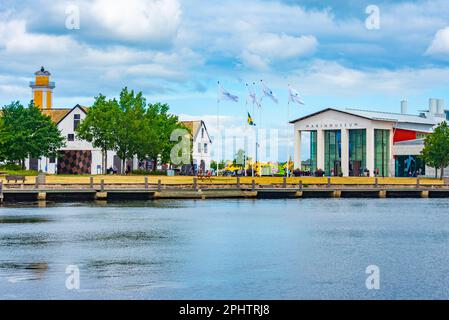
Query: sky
[{"x": 335, "y": 53}]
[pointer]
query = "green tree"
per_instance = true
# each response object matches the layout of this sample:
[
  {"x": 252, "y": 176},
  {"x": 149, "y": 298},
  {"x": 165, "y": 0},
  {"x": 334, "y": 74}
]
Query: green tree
[
  {"x": 160, "y": 124},
  {"x": 221, "y": 165},
  {"x": 26, "y": 132},
  {"x": 436, "y": 148},
  {"x": 2, "y": 138},
  {"x": 132, "y": 127},
  {"x": 100, "y": 125}
]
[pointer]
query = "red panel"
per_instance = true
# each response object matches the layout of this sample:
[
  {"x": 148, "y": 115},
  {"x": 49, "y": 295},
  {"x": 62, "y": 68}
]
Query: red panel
[{"x": 404, "y": 135}]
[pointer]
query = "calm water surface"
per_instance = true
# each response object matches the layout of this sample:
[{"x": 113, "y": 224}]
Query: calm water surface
[{"x": 227, "y": 249}]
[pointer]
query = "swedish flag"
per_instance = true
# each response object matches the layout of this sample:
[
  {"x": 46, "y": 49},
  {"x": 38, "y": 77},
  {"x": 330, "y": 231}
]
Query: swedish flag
[{"x": 250, "y": 120}]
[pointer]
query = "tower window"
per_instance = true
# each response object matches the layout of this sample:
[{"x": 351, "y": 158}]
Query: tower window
[
  {"x": 71, "y": 137},
  {"x": 76, "y": 121},
  {"x": 205, "y": 148},
  {"x": 202, "y": 133}
]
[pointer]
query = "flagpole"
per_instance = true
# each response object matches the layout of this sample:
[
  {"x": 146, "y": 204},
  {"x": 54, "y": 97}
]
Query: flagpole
[
  {"x": 255, "y": 132},
  {"x": 218, "y": 126},
  {"x": 288, "y": 139}
]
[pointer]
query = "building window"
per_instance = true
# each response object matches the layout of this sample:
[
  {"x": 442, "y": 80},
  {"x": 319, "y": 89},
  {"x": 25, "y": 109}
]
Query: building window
[
  {"x": 381, "y": 151},
  {"x": 199, "y": 147},
  {"x": 71, "y": 137},
  {"x": 76, "y": 121},
  {"x": 421, "y": 135},
  {"x": 202, "y": 133},
  {"x": 205, "y": 148},
  {"x": 357, "y": 152},
  {"x": 313, "y": 151},
  {"x": 332, "y": 152},
  {"x": 52, "y": 160}
]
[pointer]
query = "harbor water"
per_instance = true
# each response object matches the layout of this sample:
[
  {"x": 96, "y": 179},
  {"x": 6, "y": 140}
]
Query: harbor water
[{"x": 226, "y": 249}]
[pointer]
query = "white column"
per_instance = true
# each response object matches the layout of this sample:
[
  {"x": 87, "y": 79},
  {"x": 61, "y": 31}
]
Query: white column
[
  {"x": 320, "y": 149},
  {"x": 370, "y": 150},
  {"x": 345, "y": 152},
  {"x": 297, "y": 155}
]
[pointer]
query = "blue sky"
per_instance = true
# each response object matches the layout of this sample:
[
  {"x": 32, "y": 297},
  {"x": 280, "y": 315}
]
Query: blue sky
[{"x": 176, "y": 50}]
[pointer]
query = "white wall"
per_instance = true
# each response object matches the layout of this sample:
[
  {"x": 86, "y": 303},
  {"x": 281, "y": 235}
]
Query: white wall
[
  {"x": 66, "y": 126},
  {"x": 202, "y": 154},
  {"x": 334, "y": 120}
]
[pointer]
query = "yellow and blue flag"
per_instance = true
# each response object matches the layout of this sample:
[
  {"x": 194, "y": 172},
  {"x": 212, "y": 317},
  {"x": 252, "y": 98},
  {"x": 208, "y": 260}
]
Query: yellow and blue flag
[{"x": 250, "y": 120}]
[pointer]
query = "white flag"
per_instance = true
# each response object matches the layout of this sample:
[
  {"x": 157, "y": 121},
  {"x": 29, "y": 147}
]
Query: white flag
[
  {"x": 225, "y": 95},
  {"x": 294, "y": 96},
  {"x": 268, "y": 92},
  {"x": 252, "y": 97}
]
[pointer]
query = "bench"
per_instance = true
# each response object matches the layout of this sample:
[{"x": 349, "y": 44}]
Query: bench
[
  {"x": 207, "y": 176},
  {"x": 15, "y": 178}
]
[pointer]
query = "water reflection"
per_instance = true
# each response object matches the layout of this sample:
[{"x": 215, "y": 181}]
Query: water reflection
[
  {"x": 23, "y": 219},
  {"x": 24, "y": 271},
  {"x": 26, "y": 239}
]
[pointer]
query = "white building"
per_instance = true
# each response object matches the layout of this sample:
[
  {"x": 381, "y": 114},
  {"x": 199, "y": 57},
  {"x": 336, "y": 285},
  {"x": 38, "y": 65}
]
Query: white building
[
  {"x": 201, "y": 142},
  {"x": 78, "y": 156},
  {"x": 354, "y": 142}
]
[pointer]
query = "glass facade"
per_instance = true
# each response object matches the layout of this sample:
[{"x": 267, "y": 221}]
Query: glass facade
[
  {"x": 313, "y": 151},
  {"x": 332, "y": 152},
  {"x": 409, "y": 166},
  {"x": 381, "y": 151},
  {"x": 357, "y": 152}
]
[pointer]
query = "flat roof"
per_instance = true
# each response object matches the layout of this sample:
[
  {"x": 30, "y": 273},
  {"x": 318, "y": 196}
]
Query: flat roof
[{"x": 376, "y": 115}]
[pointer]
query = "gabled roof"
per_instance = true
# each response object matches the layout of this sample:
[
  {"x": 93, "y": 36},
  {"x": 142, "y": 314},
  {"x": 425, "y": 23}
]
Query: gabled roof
[
  {"x": 57, "y": 115},
  {"x": 376, "y": 115},
  {"x": 323, "y": 111},
  {"x": 194, "y": 127}
]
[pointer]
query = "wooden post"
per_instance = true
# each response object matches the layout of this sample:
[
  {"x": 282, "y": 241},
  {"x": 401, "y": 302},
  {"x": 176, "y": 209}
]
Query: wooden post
[
  {"x": 253, "y": 185},
  {"x": 418, "y": 183},
  {"x": 328, "y": 182},
  {"x": 91, "y": 182},
  {"x": 195, "y": 184},
  {"x": 238, "y": 182},
  {"x": 1, "y": 191},
  {"x": 159, "y": 185},
  {"x": 102, "y": 185},
  {"x": 284, "y": 183},
  {"x": 146, "y": 183},
  {"x": 36, "y": 183},
  {"x": 300, "y": 185},
  {"x": 376, "y": 182}
]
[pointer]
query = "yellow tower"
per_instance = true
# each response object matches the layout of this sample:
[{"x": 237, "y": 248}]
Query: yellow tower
[{"x": 42, "y": 89}]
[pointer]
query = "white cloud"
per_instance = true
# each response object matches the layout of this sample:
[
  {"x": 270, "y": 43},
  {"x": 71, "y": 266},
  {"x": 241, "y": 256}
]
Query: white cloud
[
  {"x": 274, "y": 46},
  {"x": 440, "y": 43},
  {"x": 136, "y": 20},
  {"x": 16, "y": 40},
  {"x": 254, "y": 61}
]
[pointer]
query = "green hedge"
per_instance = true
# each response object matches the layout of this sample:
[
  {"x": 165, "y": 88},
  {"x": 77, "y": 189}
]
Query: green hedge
[
  {"x": 10, "y": 166},
  {"x": 148, "y": 173},
  {"x": 28, "y": 173}
]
